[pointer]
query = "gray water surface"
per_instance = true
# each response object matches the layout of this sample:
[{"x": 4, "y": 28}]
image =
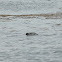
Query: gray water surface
[
  {"x": 15, "y": 46},
  {"x": 30, "y": 6}
]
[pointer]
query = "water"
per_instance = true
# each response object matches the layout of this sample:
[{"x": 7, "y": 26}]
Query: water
[
  {"x": 30, "y": 6},
  {"x": 15, "y": 46}
]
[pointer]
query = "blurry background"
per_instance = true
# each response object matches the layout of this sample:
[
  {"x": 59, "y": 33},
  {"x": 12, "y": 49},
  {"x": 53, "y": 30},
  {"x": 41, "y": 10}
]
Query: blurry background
[{"x": 29, "y": 6}]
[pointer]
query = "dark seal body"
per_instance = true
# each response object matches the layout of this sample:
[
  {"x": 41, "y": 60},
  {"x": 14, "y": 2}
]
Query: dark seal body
[{"x": 31, "y": 34}]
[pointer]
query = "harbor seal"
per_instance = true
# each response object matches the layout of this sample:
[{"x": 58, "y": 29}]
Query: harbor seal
[{"x": 31, "y": 34}]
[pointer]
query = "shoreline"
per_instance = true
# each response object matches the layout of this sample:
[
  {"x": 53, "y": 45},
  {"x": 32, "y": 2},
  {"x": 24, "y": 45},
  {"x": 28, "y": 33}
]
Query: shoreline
[{"x": 47, "y": 16}]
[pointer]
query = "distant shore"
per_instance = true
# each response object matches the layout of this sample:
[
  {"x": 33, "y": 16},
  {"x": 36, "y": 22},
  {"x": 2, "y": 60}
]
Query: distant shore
[{"x": 55, "y": 15}]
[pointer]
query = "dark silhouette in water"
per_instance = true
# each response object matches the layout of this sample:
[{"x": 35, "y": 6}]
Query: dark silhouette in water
[{"x": 31, "y": 34}]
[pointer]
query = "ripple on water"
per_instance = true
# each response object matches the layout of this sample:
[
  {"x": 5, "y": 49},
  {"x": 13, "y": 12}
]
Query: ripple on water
[
  {"x": 58, "y": 52},
  {"x": 4, "y": 56}
]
